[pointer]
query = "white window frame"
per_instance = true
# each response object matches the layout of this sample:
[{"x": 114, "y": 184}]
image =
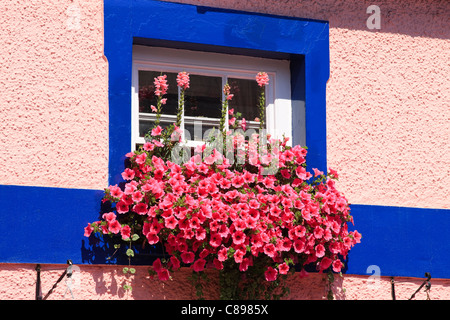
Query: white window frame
[{"x": 278, "y": 92}]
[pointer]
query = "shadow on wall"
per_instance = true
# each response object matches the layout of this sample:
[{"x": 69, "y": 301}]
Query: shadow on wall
[
  {"x": 414, "y": 18},
  {"x": 105, "y": 249}
]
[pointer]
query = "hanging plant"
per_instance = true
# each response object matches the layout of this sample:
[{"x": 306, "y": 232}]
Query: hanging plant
[{"x": 253, "y": 217}]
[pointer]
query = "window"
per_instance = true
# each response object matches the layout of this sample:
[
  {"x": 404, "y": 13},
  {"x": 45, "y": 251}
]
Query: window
[{"x": 209, "y": 72}]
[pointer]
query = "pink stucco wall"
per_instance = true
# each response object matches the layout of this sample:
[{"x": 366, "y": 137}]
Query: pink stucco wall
[
  {"x": 388, "y": 115},
  {"x": 53, "y": 94},
  {"x": 99, "y": 282}
]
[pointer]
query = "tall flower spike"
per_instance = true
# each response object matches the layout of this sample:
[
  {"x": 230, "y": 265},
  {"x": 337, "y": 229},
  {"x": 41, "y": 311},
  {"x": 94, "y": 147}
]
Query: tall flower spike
[
  {"x": 228, "y": 96},
  {"x": 161, "y": 87},
  {"x": 183, "y": 84},
  {"x": 262, "y": 78}
]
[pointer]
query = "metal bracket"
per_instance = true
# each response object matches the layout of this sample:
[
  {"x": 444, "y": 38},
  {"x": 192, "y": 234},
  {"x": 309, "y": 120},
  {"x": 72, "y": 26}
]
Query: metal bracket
[
  {"x": 67, "y": 272},
  {"x": 427, "y": 282},
  {"x": 427, "y": 287}
]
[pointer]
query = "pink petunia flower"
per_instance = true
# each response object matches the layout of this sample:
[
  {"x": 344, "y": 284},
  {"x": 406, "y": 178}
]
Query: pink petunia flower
[
  {"x": 271, "y": 274},
  {"x": 317, "y": 172},
  {"x": 218, "y": 264},
  {"x": 318, "y": 232},
  {"x": 88, "y": 230},
  {"x": 325, "y": 263},
  {"x": 128, "y": 174},
  {"x": 110, "y": 216},
  {"x": 140, "y": 208},
  {"x": 152, "y": 238},
  {"x": 163, "y": 274},
  {"x": 270, "y": 250},
  {"x": 238, "y": 237},
  {"x": 122, "y": 207},
  {"x": 199, "y": 265},
  {"x": 137, "y": 196},
  {"x": 285, "y": 173},
  {"x": 148, "y": 146},
  {"x": 283, "y": 268},
  {"x": 157, "y": 143},
  {"x": 171, "y": 222},
  {"x": 299, "y": 246},
  {"x": 114, "y": 226},
  {"x": 216, "y": 240},
  {"x": 156, "y": 131},
  {"x": 337, "y": 265},
  {"x": 125, "y": 232},
  {"x": 115, "y": 191},
  {"x": 222, "y": 254},
  {"x": 157, "y": 265},
  {"x": 239, "y": 256},
  {"x": 187, "y": 257},
  {"x": 243, "y": 266},
  {"x": 356, "y": 236},
  {"x": 140, "y": 159},
  {"x": 320, "y": 250},
  {"x": 174, "y": 262}
]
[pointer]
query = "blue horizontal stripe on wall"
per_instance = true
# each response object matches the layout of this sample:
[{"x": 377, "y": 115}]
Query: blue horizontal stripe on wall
[
  {"x": 401, "y": 241},
  {"x": 46, "y": 225}
]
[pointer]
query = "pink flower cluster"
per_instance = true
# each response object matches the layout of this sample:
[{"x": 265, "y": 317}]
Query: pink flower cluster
[
  {"x": 161, "y": 85},
  {"x": 183, "y": 80},
  {"x": 208, "y": 211},
  {"x": 262, "y": 78}
]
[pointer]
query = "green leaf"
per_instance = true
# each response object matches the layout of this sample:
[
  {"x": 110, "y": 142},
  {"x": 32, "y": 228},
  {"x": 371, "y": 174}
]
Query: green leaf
[
  {"x": 134, "y": 237},
  {"x": 127, "y": 287},
  {"x": 132, "y": 270},
  {"x": 125, "y": 270},
  {"x": 130, "y": 253}
]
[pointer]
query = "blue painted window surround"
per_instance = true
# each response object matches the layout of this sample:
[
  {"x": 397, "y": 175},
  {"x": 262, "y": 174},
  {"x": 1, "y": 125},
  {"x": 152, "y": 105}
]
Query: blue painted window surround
[{"x": 45, "y": 225}]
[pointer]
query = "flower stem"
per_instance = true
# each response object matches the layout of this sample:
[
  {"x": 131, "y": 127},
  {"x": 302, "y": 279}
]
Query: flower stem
[
  {"x": 180, "y": 108},
  {"x": 262, "y": 108}
]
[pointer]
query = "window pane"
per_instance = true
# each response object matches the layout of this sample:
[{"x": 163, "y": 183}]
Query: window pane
[
  {"x": 147, "y": 92},
  {"x": 204, "y": 97},
  {"x": 197, "y": 130},
  {"x": 147, "y": 125},
  {"x": 245, "y": 99}
]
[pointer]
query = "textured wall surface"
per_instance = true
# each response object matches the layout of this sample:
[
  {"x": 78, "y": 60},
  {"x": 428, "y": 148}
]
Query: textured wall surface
[
  {"x": 53, "y": 94},
  {"x": 94, "y": 282},
  {"x": 388, "y": 97}
]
